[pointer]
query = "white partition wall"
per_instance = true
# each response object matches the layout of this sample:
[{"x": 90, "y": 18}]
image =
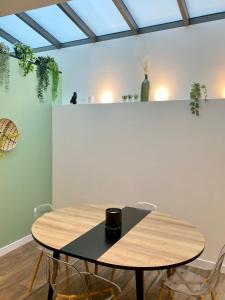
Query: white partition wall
[{"x": 157, "y": 152}]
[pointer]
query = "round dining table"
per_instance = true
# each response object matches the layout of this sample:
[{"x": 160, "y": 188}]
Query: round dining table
[{"x": 149, "y": 240}]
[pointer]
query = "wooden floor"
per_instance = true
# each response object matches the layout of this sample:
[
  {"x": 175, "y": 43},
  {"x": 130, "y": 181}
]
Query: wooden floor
[{"x": 16, "y": 269}]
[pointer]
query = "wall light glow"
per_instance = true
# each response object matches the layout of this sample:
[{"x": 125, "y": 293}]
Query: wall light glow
[
  {"x": 223, "y": 93},
  {"x": 161, "y": 94},
  {"x": 106, "y": 97}
]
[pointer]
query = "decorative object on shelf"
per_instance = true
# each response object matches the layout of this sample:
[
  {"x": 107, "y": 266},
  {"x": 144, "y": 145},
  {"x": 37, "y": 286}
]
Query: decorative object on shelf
[
  {"x": 113, "y": 223},
  {"x": 124, "y": 98},
  {"x": 130, "y": 98},
  {"x": 54, "y": 68},
  {"x": 9, "y": 136},
  {"x": 91, "y": 100},
  {"x": 4, "y": 66},
  {"x": 26, "y": 58},
  {"x": 145, "y": 86},
  {"x": 136, "y": 96},
  {"x": 198, "y": 92},
  {"x": 74, "y": 98}
]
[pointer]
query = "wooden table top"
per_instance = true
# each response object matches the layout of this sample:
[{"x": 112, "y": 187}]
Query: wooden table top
[{"x": 158, "y": 241}]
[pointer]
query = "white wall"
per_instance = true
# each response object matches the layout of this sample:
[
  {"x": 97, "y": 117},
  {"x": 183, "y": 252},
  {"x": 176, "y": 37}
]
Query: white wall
[
  {"x": 155, "y": 152},
  {"x": 178, "y": 57}
]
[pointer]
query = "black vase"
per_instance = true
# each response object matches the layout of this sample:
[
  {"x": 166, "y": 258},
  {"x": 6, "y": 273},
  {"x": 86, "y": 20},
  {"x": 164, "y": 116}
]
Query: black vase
[{"x": 113, "y": 223}]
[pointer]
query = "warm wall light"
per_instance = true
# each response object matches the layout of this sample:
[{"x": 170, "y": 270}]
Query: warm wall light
[
  {"x": 106, "y": 97},
  {"x": 224, "y": 92},
  {"x": 161, "y": 94}
]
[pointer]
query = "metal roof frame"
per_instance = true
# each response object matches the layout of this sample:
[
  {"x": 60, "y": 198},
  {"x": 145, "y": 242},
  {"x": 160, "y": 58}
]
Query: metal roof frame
[
  {"x": 92, "y": 38},
  {"x": 39, "y": 29},
  {"x": 143, "y": 30}
]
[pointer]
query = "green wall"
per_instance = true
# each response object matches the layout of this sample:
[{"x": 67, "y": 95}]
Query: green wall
[{"x": 25, "y": 172}]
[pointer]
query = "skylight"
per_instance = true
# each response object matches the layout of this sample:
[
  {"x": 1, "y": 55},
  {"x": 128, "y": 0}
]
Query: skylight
[
  {"x": 84, "y": 21},
  {"x": 101, "y": 16},
  {"x": 53, "y": 20},
  {"x": 22, "y": 32},
  {"x": 151, "y": 12},
  {"x": 200, "y": 8}
]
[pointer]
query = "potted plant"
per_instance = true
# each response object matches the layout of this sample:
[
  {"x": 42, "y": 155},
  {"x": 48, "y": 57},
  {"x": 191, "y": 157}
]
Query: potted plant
[
  {"x": 136, "y": 96},
  {"x": 130, "y": 97},
  {"x": 124, "y": 98},
  {"x": 198, "y": 92},
  {"x": 26, "y": 57}
]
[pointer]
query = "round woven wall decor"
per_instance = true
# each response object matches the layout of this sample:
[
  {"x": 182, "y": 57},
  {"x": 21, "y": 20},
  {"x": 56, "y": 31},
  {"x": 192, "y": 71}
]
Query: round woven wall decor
[{"x": 9, "y": 135}]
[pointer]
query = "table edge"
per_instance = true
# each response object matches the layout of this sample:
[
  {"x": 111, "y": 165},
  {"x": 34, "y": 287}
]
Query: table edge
[{"x": 114, "y": 266}]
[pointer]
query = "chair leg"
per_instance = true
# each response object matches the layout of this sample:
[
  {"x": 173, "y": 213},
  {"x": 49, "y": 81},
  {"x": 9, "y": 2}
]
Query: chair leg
[
  {"x": 170, "y": 295},
  {"x": 213, "y": 296},
  {"x": 112, "y": 274},
  {"x": 96, "y": 269},
  {"x": 161, "y": 291},
  {"x": 39, "y": 258},
  {"x": 86, "y": 266},
  {"x": 201, "y": 297}
]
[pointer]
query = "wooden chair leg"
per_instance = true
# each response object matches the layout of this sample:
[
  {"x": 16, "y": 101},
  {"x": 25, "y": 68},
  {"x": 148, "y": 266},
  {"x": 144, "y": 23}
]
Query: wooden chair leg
[
  {"x": 202, "y": 297},
  {"x": 170, "y": 295},
  {"x": 86, "y": 266},
  {"x": 96, "y": 269},
  {"x": 39, "y": 258},
  {"x": 112, "y": 274},
  {"x": 161, "y": 291},
  {"x": 213, "y": 296}
]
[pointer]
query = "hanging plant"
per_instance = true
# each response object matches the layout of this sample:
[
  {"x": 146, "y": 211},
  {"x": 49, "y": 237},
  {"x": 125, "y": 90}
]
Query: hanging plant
[
  {"x": 4, "y": 66},
  {"x": 54, "y": 68},
  {"x": 26, "y": 57},
  {"x": 198, "y": 93},
  {"x": 42, "y": 75},
  {"x": 45, "y": 66}
]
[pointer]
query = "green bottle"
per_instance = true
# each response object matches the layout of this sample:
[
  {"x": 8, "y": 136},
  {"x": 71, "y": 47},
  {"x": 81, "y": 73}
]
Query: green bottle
[{"x": 145, "y": 86}]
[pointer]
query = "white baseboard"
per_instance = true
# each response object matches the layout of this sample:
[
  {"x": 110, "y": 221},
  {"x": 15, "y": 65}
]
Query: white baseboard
[
  {"x": 205, "y": 264},
  {"x": 15, "y": 245}
]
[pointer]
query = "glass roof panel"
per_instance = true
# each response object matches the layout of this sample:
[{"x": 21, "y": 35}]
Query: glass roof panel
[
  {"x": 53, "y": 19},
  {"x": 6, "y": 43},
  {"x": 198, "y": 8},
  {"x": 152, "y": 12},
  {"x": 21, "y": 31},
  {"x": 101, "y": 16}
]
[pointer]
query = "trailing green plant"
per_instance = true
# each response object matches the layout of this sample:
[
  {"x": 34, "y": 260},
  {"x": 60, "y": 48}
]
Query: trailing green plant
[
  {"x": 26, "y": 57},
  {"x": 4, "y": 66},
  {"x": 42, "y": 75},
  {"x": 45, "y": 66},
  {"x": 198, "y": 92},
  {"x": 54, "y": 68}
]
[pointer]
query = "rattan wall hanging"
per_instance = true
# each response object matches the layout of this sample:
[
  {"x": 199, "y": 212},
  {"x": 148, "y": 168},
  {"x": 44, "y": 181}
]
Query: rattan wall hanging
[{"x": 9, "y": 136}]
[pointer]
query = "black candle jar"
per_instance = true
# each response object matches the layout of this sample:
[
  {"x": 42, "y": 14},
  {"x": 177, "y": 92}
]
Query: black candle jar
[{"x": 113, "y": 223}]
